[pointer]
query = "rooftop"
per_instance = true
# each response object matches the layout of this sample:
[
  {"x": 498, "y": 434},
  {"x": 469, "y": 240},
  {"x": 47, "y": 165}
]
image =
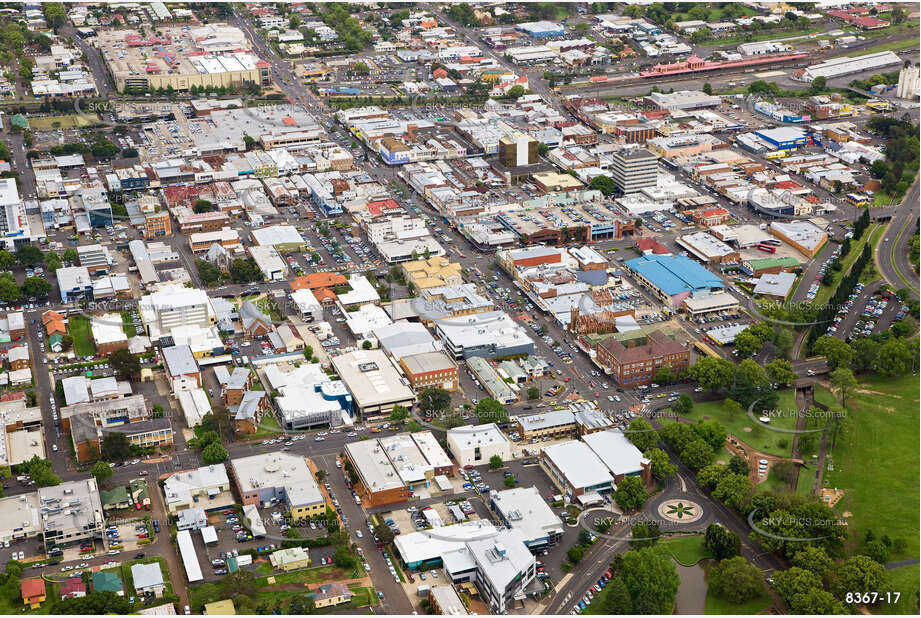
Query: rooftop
[
  {"x": 579, "y": 464},
  {"x": 278, "y": 470}
]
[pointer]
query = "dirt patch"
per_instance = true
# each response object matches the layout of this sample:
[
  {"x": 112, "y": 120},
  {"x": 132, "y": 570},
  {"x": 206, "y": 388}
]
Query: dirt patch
[
  {"x": 831, "y": 496},
  {"x": 864, "y": 391}
]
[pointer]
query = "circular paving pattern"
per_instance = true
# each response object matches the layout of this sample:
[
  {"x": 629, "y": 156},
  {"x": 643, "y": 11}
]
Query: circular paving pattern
[{"x": 680, "y": 511}]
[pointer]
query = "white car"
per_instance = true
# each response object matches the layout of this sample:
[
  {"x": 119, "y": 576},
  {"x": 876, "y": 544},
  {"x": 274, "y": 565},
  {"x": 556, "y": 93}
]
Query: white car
[{"x": 358, "y": 534}]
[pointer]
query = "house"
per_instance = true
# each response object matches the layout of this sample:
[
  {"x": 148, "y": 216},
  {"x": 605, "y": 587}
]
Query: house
[
  {"x": 247, "y": 414},
  {"x": 106, "y": 581},
  {"x": 335, "y": 593},
  {"x": 53, "y": 322},
  {"x": 182, "y": 368},
  {"x": 233, "y": 385},
  {"x": 255, "y": 322},
  {"x": 33, "y": 592},
  {"x": 73, "y": 588},
  {"x": 191, "y": 519},
  {"x": 220, "y": 608},
  {"x": 290, "y": 559},
  {"x": 148, "y": 579}
]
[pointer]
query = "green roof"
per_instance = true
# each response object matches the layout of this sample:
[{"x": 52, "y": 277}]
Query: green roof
[
  {"x": 114, "y": 497},
  {"x": 104, "y": 581},
  {"x": 760, "y": 263}
]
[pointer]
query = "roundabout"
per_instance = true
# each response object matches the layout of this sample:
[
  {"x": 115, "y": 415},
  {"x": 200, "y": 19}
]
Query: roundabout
[{"x": 679, "y": 511}]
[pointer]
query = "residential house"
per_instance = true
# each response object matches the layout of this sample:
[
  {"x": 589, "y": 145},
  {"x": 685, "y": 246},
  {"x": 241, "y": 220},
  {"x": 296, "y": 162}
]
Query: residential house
[
  {"x": 148, "y": 579},
  {"x": 328, "y": 595},
  {"x": 255, "y": 323},
  {"x": 33, "y": 592}
]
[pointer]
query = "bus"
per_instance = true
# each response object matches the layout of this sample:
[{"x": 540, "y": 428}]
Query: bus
[
  {"x": 767, "y": 248},
  {"x": 703, "y": 348},
  {"x": 770, "y": 241}
]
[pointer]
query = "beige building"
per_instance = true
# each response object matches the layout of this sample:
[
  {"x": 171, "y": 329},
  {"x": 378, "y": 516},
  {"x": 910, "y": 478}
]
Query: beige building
[
  {"x": 437, "y": 271},
  {"x": 212, "y": 56}
]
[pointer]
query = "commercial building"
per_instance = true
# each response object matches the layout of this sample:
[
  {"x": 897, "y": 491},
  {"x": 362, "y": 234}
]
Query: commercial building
[
  {"x": 476, "y": 444},
  {"x": 374, "y": 382},
  {"x": 74, "y": 284},
  {"x": 909, "y": 86},
  {"x": 307, "y": 304},
  {"x": 71, "y": 513},
  {"x": 108, "y": 334},
  {"x": 488, "y": 376},
  {"x": 425, "y": 549},
  {"x": 619, "y": 454},
  {"x": 269, "y": 479},
  {"x": 207, "y": 487},
  {"x": 399, "y": 339},
  {"x": 634, "y": 358},
  {"x": 430, "y": 370},
  {"x": 708, "y": 248},
  {"x": 776, "y": 286},
  {"x": 175, "y": 306},
  {"x": 20, "y": 517},
  {"x": 505, "y": 569},
  {"x": 378, "y": 481},
  {"x": 634, "y": 169},
  {"x": 684, "y": 100},
  {"x": 308, "y": 397},
  {"x": 487, "y": 335},
  {"x": 524, "y": 509},
  {"x": 803, "y": 236},
  {"x": 517, "y": 149},
  {"x": 210, "y": 56},
  {"x": 577, "y": 471}
]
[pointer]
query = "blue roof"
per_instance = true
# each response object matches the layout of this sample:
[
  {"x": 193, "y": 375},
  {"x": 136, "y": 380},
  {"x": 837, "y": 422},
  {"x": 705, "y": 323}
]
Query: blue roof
[{"x": 674, "y": 274}]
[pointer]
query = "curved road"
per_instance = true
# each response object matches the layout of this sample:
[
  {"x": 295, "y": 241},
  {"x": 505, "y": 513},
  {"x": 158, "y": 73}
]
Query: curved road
[{"x": 892, "y": 251}]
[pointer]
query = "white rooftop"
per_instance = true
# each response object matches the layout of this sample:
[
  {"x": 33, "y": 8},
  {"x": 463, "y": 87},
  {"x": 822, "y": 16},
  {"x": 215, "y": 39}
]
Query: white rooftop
[
  {"x": 616, "y": 451},
  {"x": 579, "y": 464}
]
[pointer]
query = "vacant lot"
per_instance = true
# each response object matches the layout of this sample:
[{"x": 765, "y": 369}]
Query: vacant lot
[
  {"x": 875, "y": 461},
  {"x": 72, "y": 121},
  {"x": 83, "y": 336}
]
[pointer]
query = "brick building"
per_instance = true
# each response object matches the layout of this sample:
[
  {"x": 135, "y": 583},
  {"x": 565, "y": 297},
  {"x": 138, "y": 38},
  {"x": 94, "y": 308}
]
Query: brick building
[{"x": 637, "y": 359}]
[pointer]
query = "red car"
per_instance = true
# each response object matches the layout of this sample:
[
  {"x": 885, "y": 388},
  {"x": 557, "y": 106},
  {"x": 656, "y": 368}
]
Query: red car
[{"x": 468, "y": 467}]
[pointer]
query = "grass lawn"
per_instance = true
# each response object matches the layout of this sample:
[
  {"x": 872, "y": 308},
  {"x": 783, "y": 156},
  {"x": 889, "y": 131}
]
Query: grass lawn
[
  {"x": 759, "y": 438},
  {"x": 128, "y": 581},
  {"x": 907, "y": 43},
  {"x": 128, "y": 324},
  {"x": 72, "y": 121},
  {"x": 686, "y": 550},
  {"x": 879, "y": 440},
  {"x": 825, "y": 291},
  {"x": 881, "y": 198},
  {"x": 269, "y": 427},
  {"x": 806, "y": 480},
  {"x": 759, "y": 36},
  {"x": 906, "y": 581},
  {"x": 715, "y": 605},
  {"x": 286, "y": 585},
  {"x": 79, "y": 327},
  {"x": 596, "y": 607},
  {"x": 270, "y": 308}
]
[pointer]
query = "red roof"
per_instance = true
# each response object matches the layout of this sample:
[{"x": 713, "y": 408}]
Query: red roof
[
  {"x": 72, "y": 586},
  {"x": 788, "y": 184},
  {"x": 376, "y": 208},
  {"x": 31, "y": 588},
  {"x": 262, "y": 64},
  {"x": 651, "y": 244},
  {"x": 439, "y": 72}
]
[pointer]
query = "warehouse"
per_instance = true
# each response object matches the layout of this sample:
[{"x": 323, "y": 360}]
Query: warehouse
[
  {"x": 837, "y": 67},
  {"x": 776, "y": 286},
  {"x": 673, "y": 278},
  {"x": 783, "y": 138},
  {"x": 801, "y": 235},
  {"x": 541, "y": 29}
]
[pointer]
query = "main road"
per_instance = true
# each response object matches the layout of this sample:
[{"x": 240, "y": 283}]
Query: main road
[{"x": 892, "y": 251}]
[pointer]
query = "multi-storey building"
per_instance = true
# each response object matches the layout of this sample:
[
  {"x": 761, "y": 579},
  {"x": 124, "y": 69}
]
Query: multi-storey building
[{"x": 636, "y": 360}]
